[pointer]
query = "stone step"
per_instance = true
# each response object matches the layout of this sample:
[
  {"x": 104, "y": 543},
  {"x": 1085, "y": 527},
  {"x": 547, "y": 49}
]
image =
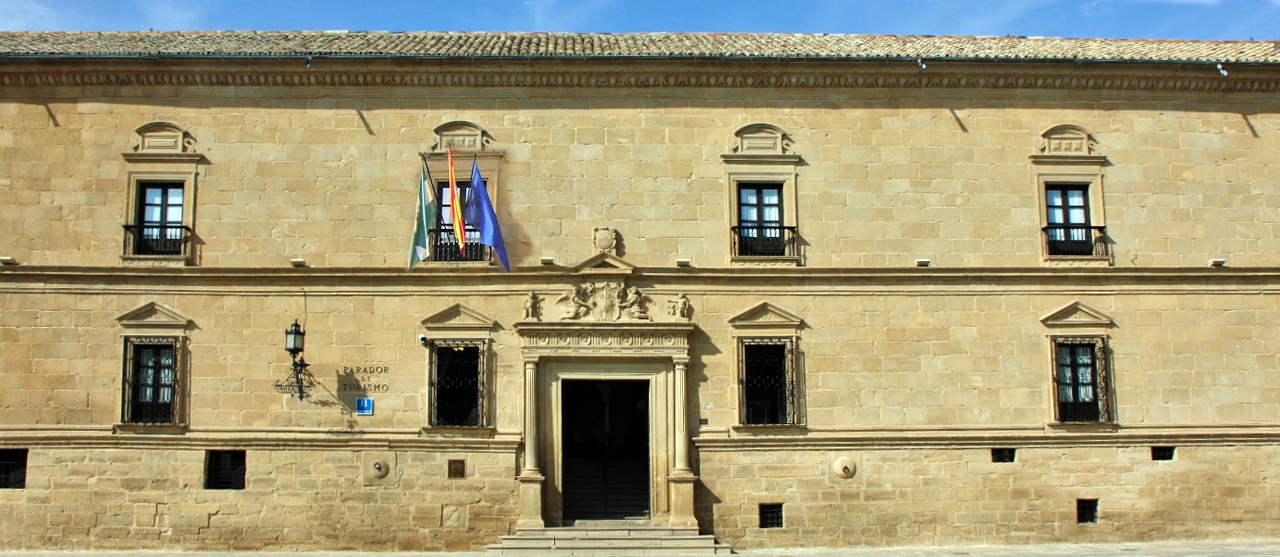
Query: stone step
[
  {"x": 613, "y": 531},
  {"x": 610, "y": 537},
  {"x": 656, "y": 541},
  {"x": 584, "y": 548}
]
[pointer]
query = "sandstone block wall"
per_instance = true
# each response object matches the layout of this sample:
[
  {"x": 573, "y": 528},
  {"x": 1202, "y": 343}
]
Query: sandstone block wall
[
  {"x": 294, "y": 499},
  {"x": 883, "y": 182},
  {"x": 958, "y": 496}
]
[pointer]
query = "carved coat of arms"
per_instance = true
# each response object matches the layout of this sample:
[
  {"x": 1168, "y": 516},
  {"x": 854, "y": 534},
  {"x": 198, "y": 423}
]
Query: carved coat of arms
[{"x": 603, "y": 302}]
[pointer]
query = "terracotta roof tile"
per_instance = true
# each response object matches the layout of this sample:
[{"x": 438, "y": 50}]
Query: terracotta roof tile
[{"x": 652, "y": 45}]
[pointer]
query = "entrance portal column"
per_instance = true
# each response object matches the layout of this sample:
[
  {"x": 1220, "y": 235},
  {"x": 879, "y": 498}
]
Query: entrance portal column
[
  {"x": 682, "y": 477},
  {"x": 531, "y": 478}
]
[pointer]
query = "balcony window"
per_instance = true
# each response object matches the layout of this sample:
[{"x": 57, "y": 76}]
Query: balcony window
[
  {"x": 760, "y": 231},
  {"x": 158, "y": 228},
  {"x": 444, "y": 243}
]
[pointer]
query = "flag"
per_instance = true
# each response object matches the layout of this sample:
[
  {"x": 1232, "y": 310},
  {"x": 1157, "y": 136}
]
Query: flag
[
  {"x": 479, "y": 212},
  {"x": 420, "y": 247},
  {"x": 455, "y": 203}
]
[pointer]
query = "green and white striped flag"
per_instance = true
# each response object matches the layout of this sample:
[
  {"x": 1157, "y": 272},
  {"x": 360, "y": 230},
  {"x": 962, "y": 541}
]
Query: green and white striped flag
[{"x": 420, "y": 248}]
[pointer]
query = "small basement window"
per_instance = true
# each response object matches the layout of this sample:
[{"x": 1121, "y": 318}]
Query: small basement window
[
  {"x": 457, "y": 469},
  {"x": 770, "y": 515},
  {"x": 1003, "y": 455},
  {"x": 1086, "y": 511},
  {"x": 224, "y": 470},
  {"x": 13, "y": 469},
  {"x": 1162, "y": 453}
]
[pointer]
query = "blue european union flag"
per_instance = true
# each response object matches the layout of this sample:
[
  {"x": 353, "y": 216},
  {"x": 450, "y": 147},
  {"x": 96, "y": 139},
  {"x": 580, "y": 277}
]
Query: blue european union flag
[{"x": 479, "y": 213}]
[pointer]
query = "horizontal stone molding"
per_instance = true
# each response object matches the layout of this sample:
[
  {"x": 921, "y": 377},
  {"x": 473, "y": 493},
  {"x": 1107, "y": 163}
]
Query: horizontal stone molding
[
  {"x": 874, "y": 74},
  {"x": 80, "y": 439},
  {"x": 978, "y": 438}
]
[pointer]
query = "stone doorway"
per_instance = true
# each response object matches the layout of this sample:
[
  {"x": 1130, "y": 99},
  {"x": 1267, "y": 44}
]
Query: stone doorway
[{"x": 605, "y": 444}]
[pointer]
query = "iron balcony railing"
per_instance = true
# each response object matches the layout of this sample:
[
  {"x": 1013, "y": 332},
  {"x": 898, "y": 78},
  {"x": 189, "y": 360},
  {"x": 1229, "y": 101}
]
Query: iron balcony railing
[
  {"x": 764, "y": 241},
  {"x": 444, "y": 246},
  {"x": 147, "y": 239},
  {"x": 1070, "y": 239}
]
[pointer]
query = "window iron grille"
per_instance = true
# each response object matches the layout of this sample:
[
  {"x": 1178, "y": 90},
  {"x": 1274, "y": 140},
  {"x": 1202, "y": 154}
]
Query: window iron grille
[
  {"x": 1162, "y": 453},
  {"x": 13, "y": 468},
  {"x": 224, "y": 470},
  {"x": 1086, "y": 511},
  {"x": 1003, "y": 455},
  {"x": 149, "y": 239},
  {"x": 764, "y": 241},
  {"x": 768, "y": 381},
  {"x": 445, "y": 246},
  {"x": 1077, "y": 240},
  {"x": 1081, "y": 379},
  {"x": 151, "y": 380},
  {"x": 459, "y": 370},
  {"x": 771, "y": 515}
]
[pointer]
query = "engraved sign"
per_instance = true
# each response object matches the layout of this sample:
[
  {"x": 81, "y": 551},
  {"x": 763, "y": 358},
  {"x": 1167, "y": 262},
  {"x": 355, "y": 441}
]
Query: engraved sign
[{"x": 363, "y": 379}]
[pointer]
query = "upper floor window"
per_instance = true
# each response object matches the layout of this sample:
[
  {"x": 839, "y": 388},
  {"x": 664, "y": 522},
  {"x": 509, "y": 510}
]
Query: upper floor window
[
  {"x": 760, "y": 230},
  {"x": 1069, "y": 230},
  {"x": 444, "y": 240},
  {"x": 162, "y": 171},
  {"x": 1080, "y": 382},
  {"x": 1068, "y": 170},
  {"x": 158, "y": 228},
  {"x": 762, "y": 196},
  {"x": 461, "y": 144}
]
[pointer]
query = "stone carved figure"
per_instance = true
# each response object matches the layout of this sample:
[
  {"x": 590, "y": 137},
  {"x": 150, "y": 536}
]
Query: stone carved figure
[
  {"x": 680, "y": 307},
  {"x": 578, "y": 302},
  {"x": 604, "y": 302},
  {"x": 532, "y": 307},
  {"x": 633, "y": 304}
]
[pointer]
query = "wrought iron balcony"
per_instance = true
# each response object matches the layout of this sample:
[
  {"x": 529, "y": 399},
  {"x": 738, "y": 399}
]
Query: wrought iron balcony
[
  {"x": 1070, "y": 239},
  {"x": 764, "y": 241},
  {"x": 146, "y": 239},
  {"x": 444, "y": 246}
]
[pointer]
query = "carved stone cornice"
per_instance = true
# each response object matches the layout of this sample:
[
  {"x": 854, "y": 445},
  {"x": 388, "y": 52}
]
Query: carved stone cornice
[
  {"x": 1182, "y": 78},
  {"x": 621, "y": 340}
]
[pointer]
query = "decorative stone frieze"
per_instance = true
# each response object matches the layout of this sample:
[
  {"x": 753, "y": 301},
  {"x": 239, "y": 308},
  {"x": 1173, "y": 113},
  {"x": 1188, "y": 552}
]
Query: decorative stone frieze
[{"x": 677, "y": 77}]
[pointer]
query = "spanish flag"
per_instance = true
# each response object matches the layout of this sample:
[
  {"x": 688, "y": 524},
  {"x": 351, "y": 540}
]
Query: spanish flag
[{"x": 455, "y": 203}]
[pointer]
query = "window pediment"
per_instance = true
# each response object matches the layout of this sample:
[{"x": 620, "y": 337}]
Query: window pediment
[
  {"x": 461, "y": 135},
  {"x": 1078, "y": 314},
  {"x": 456, "y": 320},
  {"x": 767, "y": 317},
  {"x": 1068, "y": 143},
  {"x": 154, "y": 317},
  {"x": 163, "y": 142}
]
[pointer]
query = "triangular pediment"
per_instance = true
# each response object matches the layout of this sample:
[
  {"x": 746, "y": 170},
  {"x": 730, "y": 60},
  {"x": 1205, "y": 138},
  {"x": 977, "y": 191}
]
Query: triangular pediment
[
  {"x": 765, "y": 315},
  {"x": 458, "y": 316},
  {"x": 1077, "y": 314},
  {"x": 153, "y": 315},
  {"x": 605, "y": 263}
]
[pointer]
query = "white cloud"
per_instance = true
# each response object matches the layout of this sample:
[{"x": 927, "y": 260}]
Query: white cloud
[
  {"x": 28, "y": 15},
  {"x": 166, "y": 15}
]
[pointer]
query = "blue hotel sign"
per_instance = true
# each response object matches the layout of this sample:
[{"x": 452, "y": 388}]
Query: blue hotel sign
[{"x": 364, "y": 406}]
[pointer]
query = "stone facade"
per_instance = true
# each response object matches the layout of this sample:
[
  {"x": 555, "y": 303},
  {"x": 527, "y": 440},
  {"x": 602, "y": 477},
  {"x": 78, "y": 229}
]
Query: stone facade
[{"x": 921, "y": 303}]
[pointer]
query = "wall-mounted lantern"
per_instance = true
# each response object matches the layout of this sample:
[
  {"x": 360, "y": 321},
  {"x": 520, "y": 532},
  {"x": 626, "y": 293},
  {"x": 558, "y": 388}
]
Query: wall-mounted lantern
[{"x": 294, "y": 339}]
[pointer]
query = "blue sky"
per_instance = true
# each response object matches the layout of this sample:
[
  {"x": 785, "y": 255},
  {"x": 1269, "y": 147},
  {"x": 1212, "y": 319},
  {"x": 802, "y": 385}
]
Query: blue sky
[{"x": 1139, "y": 19}]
